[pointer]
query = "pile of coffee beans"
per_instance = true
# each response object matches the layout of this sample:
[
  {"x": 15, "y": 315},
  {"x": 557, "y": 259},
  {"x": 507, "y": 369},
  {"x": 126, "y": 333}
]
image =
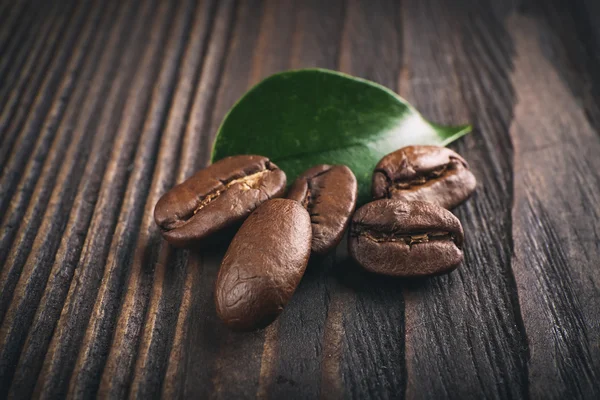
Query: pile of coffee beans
[
  {"x": 408, "y": 231},
  {"x": 405, "y": 231}
]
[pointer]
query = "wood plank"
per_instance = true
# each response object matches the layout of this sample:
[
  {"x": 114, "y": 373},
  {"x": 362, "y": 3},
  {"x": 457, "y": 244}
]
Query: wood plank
[
  {"x": 571, "y": 40},
  {"x": 105, "y": 105},
  {"x": 463, "y": 331},
  {"x": 231, "y": 368},
  {"x": 371, "y": 308},
  {"x": 90, "y": 173},
  {"x": 199, "y": 118},
  {"x": 293, "y": 351},
  {"x": 149, "y": 26},
  {"x": 80, "y": 114},
  {"x": 15, "y": 52},
  {"x": 198, "y": 370},
  {"x": 36, "y": 267},
  {"x": 30, "y": 159},
  {"x": 168, "y": 302},
  {"x": 145, "y": 113},
  {"x": 555, "y": 214},
  {"x": 26, "y": 108},
  {"x": 16, "y": 23}
]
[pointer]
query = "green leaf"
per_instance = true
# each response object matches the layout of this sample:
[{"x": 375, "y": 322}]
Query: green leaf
[{"x": 315, "y": 116}]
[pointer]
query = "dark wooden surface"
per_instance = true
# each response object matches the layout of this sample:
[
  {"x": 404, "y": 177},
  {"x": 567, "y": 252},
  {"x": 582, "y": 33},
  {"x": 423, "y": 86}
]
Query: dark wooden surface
[{"x": 104, "y": 105}]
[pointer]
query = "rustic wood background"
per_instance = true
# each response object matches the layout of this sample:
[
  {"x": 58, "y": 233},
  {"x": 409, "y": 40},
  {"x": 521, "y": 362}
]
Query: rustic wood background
[{"x": 104, "y": 105}]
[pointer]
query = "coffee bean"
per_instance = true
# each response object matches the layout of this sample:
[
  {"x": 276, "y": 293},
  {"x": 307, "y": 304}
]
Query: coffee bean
[
  {"x": 426, "y": 173},
  {"x": 263, "y": 265},
  {"x": 217, "y": 197},
  {"x": 329, "y": 195},
  {"x": 408, "y": 239}
]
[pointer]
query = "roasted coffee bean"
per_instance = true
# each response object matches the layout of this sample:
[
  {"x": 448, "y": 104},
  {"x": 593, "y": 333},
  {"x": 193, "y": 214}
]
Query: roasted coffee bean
[
  {"x": 217, "y": 197},
  {"x": 329, "y": 195},
  {"x": 263, "y": 265},
  {"x": 406, "y": 238},
  {"x": 426, "y": 173}
]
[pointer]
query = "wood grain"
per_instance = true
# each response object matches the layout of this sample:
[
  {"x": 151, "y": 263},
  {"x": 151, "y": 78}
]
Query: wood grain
[
  {"x": 563, "y": 328},
  {"x": 105, "y": 105},
  {"x": 469, "y": 321},
  {"x": 372, "y": 308}
]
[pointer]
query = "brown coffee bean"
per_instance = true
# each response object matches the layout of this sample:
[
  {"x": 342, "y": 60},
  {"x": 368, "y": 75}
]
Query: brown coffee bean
[
  {"x": 263, "y": 265},
  {"x": 217, "y": 197},
  {"x": 329, "y": 195},
  {"x": 408, "y": 239},
  {"x": 426, "y": 173}
]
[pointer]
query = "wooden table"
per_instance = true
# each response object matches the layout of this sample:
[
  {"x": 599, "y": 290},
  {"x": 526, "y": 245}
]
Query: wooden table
[{"x": 104, "y": 105}]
